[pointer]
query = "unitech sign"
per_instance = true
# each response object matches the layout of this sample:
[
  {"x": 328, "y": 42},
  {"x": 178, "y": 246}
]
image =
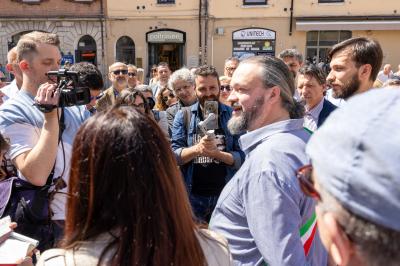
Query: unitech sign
[
  {"x": 253, "y": 41},
  {"x": 254, "y": 34}
]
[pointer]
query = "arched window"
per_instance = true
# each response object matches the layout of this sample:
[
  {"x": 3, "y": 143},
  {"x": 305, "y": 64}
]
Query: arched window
[
  {"x": 86, "y": 50},
  {"x": 125, "y": 50}
]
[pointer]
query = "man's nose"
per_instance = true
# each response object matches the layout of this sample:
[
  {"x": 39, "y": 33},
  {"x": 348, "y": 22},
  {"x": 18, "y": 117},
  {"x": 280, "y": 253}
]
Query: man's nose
[{"x": 232, "y": 97}]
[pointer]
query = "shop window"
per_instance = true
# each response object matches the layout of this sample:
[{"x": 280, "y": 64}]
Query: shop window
[
  {"x": 254, "y": 2},
  {"x": 165, "y": 2},
  {"x": 125, "y": 50},
  {"x": 31, "y": 1},
  {"x": 319, "y": 43},
  {"x": 330, "y": 1}
]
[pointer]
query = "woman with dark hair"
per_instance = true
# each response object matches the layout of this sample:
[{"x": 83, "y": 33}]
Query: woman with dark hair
[
  {"x": 4, "y": 146},
  {"x": 165, "y": 99},
  {"x": 127, "y": 202}
]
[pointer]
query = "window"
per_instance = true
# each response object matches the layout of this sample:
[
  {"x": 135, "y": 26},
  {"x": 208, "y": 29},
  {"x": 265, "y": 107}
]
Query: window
[
  {"x": 254, "y": 2},
  {"x": 125, "y": 50},
  {"x": 330, "y": 1},
  {"x": 319, "y": 43},
  {"x": 165, "y": 1}
]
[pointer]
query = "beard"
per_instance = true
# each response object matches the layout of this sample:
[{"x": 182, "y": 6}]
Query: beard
[
  {"x": 348, "y": 89},
  {"x": 208, "y": 98},
  {"x": 240, "y": 124}
]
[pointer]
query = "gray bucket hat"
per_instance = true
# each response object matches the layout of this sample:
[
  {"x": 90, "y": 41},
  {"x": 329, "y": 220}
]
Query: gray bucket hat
[{"x": 356, "y": 156}]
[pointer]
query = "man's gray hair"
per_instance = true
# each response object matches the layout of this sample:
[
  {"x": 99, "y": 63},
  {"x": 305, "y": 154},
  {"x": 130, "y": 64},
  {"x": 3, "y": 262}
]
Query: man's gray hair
[
  {"x": 180, "y": 74},
  {"x": 276, "y": 73},
  {"x": 375, "y": 244},
  {"x": 291, "y": 53},
  {"x": 233, "y": 58}
]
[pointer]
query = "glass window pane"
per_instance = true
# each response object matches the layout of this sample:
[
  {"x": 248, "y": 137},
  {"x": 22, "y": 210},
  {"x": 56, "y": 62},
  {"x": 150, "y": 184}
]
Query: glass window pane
[
  {"x": 312, "y": 38},
  {"x": 328, "y": 38},
  {"x": 254, "y": 2},
  {"x": 311, "y": 54},
  {"x": 344, "y": 35}
]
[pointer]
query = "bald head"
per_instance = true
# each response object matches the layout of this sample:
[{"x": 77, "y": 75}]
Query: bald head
[
  {"x": 387, "y": 68},
  {"x": 117, "y": 65}
]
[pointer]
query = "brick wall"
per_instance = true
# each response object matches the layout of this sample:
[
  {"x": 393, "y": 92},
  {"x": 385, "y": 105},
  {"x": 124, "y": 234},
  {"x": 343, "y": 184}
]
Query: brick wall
[{"x": 49, "y": 8}]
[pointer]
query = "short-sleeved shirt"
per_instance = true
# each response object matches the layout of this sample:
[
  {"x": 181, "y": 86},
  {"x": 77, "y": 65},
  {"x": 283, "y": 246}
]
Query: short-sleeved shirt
[
  {"x": 22, "y": 122},
  {"x": 262, "y": 211}
]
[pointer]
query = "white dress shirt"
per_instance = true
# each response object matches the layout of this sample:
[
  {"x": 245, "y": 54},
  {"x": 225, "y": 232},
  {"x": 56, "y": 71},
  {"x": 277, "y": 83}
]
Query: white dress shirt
[{"x": 311, "y": 116}]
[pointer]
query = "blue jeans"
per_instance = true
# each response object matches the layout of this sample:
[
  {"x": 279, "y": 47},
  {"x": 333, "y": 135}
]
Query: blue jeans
[{"x": 203, "y": 207}]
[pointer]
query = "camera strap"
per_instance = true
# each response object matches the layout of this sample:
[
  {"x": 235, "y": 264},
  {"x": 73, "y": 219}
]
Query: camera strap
[{"x": 39, "y": 202}]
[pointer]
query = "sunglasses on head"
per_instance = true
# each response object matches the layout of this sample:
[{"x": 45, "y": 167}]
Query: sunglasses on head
[
  {"x": 132, "y": 74},
  {"x": 304, "y": 175},
  {"x": 225, "y": 88},
  {"x": 120, "y": 71}
]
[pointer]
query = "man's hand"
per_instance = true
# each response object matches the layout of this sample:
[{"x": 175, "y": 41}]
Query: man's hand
[
  {"x": 207, "y": 147},
  {"x": 47, "y": 94}
]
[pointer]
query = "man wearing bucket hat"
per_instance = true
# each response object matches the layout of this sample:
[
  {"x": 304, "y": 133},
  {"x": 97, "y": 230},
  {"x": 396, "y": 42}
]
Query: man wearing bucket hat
[{"x": 355, "y": 178}]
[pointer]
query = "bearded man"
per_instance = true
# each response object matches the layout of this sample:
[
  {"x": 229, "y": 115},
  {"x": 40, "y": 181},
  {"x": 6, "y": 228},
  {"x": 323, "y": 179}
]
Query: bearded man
[{"x": 262, "y": 211}]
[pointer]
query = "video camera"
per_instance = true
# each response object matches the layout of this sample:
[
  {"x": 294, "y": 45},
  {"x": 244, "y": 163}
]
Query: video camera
[{"x": 70, "y": 89}]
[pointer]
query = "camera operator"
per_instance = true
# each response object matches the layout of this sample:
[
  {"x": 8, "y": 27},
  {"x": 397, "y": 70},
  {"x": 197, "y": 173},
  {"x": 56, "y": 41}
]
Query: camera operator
[{"x": 35, "y": 148}]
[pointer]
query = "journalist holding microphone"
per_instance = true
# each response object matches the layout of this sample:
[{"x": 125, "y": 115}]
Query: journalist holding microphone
[{"x": 207, "y": 153}]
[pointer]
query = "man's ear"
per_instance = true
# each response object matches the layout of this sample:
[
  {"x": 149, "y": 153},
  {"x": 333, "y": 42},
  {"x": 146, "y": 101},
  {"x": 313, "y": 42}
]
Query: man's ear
[
  {"x": 364, "y": 72},
  {"x": 24, "y": 65},
  {"x": 9, "y": 68},
  {"x": 340, "y": 247},
  {"x": 275, "y": 94}
]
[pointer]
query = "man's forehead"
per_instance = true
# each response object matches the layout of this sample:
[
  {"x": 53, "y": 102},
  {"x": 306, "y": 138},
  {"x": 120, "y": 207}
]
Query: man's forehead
[
  {"x": 342, "y": 57},
  {"x": 118, "y": 66},
  {"x": 232, "y": 62},
  {"x": 246, "y": 73},
  {"x": 163, "y": 68},
  {"x": 290, "y": 59}
]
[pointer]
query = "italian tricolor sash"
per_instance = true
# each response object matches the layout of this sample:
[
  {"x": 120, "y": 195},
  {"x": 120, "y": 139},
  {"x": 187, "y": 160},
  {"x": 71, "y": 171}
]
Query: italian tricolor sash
[{"x": 307, "y": 233}]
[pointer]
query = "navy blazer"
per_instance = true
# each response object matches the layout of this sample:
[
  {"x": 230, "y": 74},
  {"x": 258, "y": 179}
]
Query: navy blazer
[{"x": 327, "y": 109}]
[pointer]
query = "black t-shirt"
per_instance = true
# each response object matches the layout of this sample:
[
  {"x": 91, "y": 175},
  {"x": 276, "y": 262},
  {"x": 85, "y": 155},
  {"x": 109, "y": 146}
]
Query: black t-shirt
[{"x": 209, "y": 174}]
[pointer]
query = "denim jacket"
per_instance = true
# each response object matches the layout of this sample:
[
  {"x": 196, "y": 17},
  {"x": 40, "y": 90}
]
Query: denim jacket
[{"x": 182, "y": 139}]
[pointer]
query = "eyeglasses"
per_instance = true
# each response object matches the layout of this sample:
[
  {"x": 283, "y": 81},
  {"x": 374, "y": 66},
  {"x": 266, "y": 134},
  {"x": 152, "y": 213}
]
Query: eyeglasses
[
  {"x": 140, "y": 105},
  {"x": 230, "y": 68},
  {"x": 96, "y": 97},
  {"x": 225, "y": 88},
  {"x": 120, "y": 71},
  {"x": 132, "y": 74},
  {"x": 170, "y": 96},
  {"x": 307, "y": 183}
]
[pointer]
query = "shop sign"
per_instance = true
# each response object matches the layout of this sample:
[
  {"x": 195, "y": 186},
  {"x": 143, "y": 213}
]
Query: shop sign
[
  {"x": 253, "y": 41},
  {"x": 165, "y": 36},
  {"x": 254, "y": 34}
]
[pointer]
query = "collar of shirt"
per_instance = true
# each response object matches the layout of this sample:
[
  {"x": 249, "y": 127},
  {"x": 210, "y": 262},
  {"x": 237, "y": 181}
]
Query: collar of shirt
[
  {"x": 251, "y": 139},
  {"x": 316, "y": 110}
]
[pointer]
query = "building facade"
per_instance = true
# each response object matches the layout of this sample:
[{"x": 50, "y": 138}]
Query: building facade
[
  {"x": 79, "y": 24},
  {"x": 193, "y": 32}
]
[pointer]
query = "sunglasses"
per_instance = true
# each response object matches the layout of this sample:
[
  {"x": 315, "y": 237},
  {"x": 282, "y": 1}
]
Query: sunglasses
[
  {"x": 120, "y": 71},
  {"x": 170, "y": 96},
  {"x": 132, "y": 74},
  {"x": 225, "y": 88},
  {"x": 230, "y": 68},
  {"x": 304, "y": 175},
  {"x": 3, "y": 79},
  {"x": 96, "y": 97}
]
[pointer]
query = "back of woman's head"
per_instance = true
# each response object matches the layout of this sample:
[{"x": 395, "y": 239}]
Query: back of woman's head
[{"x": 124, "y": 179}]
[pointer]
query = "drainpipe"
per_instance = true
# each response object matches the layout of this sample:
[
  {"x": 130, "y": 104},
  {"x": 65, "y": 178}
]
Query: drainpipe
[
  {"x": 205, "y": 30},
  {"x": 102, "y": 34},
  {"x": 200, "y": 33},
  {"x": 291, "y": 19}
]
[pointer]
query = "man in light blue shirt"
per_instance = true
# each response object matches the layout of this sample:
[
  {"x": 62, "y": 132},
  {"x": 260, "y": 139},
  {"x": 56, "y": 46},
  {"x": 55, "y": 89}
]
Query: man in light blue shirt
[{"x": 262, "y": 211}]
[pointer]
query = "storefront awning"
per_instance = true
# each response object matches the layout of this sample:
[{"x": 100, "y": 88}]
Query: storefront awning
[{"x": 306, "y": 25}]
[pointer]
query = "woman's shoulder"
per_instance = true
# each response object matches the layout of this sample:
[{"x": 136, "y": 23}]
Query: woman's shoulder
[{"x": 215, "y": 247}]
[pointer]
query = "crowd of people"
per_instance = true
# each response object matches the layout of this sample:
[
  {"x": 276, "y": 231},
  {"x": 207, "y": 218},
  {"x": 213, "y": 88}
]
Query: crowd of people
[{"x": 276, "y": 162}]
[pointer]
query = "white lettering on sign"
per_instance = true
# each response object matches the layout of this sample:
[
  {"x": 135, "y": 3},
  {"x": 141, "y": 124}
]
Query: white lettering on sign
[
  {"x": 254, "y": 34},
  {"x": 165, "y": 36}
]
